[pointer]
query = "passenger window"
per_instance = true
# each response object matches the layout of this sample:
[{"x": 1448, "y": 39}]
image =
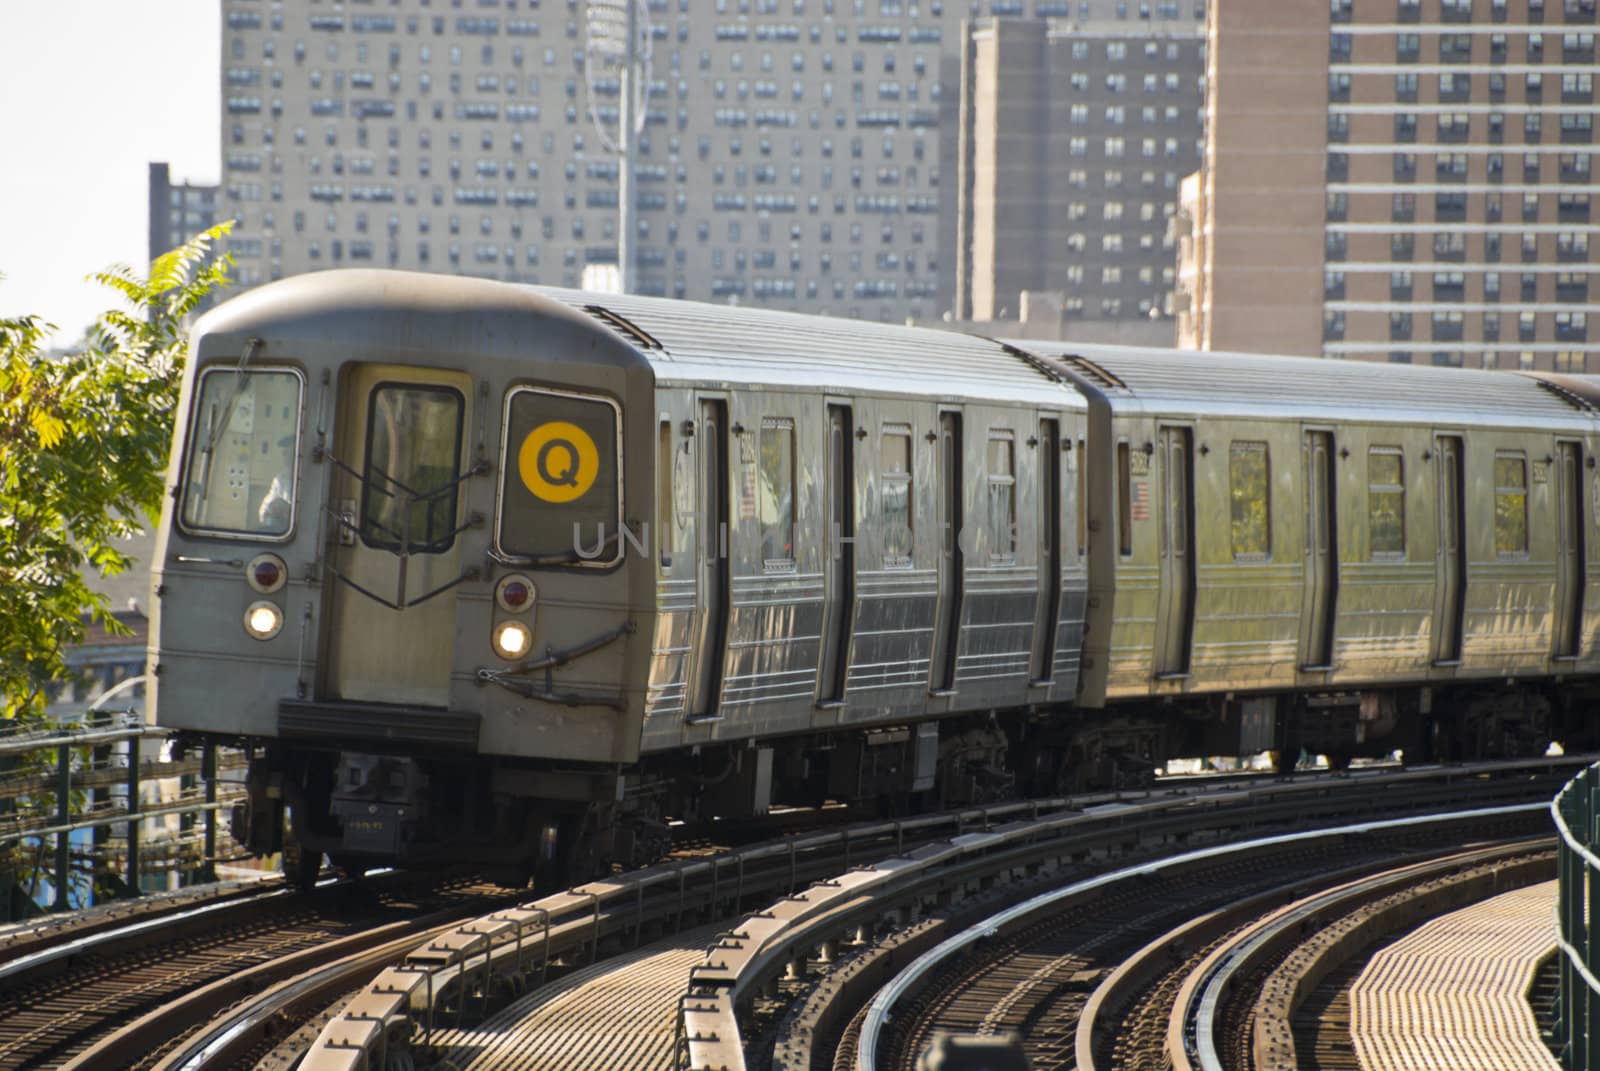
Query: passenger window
[
  {"x": 1386, "y": 501},
  {"x": 894, "y": 470},
  {"x": 561, "y": 479},
  {"x": 240, "y": 477},
  {"x": 1510, "y": 504},
  {"x": 408, "y": 489},
  {"x": 1249, "y": 516},
  {"x": 664, "y": 462},
  {"x": 1002, "y": 495},
  {"x": 775, "y": 509}
]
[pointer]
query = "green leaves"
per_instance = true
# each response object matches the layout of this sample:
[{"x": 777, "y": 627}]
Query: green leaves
[{"x": 83, "y": 446}]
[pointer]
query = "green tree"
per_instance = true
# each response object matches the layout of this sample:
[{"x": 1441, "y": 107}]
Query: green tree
[{"x": 83, "y": 449}]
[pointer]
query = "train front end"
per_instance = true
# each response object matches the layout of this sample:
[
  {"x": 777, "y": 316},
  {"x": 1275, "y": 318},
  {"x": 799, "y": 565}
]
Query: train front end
[{"x": 393, "y": 568}]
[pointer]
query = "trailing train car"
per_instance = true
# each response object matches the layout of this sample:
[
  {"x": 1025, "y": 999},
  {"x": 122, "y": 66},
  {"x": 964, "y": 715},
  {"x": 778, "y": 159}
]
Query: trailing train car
[
  {"x": 481, "y": 571},
  {"x": 1303, "y": 554}
]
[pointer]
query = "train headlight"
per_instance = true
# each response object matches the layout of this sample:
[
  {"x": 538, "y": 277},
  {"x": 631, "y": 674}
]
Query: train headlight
[
  {"x": 515, "y": 593},
  {"x": 266, "y": 573},
  {"x": 263, "y": 620},
  {"x": 512, "y": 640}
]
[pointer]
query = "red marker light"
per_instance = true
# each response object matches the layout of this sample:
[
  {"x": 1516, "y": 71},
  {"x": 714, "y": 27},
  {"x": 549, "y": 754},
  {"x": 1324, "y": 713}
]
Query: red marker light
[
  {"x": 515, "y": 593},
  {"x": 267, "y": 574}
]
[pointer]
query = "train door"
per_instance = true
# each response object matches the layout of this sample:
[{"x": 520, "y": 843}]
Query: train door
[
  {"x": 402, "y": 447},
  {"x": 711, "y": 580},
  {"x": 839, "y": 562},
  {"x": 1451, "y": 562},
  {"x": 1175, "y": 615},
  {"x": 1322, "y": 552},
  {"x": 1568, "y": 624},
  {"x": 947, "y": 627},
  {"x": 1048, "y": 615}
]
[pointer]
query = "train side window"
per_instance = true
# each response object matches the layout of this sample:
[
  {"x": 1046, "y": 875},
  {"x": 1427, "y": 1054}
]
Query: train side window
[
  {"x": 1510, "y": 504},
  {"x": 1249, "y": 467},
  {"x": 1083, "y": 500},
  {"x": 1386, "y": 501},
  {"x": 894, "y": 472},
  {"x": 775, "y": 509},
  {"x": 1124, "y": 500},
  {"x": 1002, "y": 476},
  {"x": 664, "y": 463}
]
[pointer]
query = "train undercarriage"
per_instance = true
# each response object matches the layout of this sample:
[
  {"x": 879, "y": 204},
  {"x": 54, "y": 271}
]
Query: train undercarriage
[{"x": 553, "y": 825}]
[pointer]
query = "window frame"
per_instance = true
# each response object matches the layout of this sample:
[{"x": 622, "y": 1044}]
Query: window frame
[
  {"x": 1521, "y": 458},
  {"x": 908, "y": 479},
  {"x": 666, "y": 459},
  {"x": 999, "y": 551},
  {"x": 1265, "y": 554},
  {"x": 232, "y": 366},
  {"x": 499, "y": 551},
  {"x": 779, "y": 424},
  {"x": 1124, "y": 498},
  {"x": 1398, "y": 452},
  {"x": 366, "y": 467}
]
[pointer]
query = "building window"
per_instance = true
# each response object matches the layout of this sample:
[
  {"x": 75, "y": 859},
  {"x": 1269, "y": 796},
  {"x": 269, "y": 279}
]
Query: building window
[
  {"x": 1386, "y": 502},
  {"x": 1510, "y": 504},
  {"x": 1249, "y": 517}
]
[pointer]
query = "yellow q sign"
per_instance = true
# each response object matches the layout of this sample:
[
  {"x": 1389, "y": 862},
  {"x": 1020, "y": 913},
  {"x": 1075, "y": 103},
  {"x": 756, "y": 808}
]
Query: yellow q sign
[{"x": 558, "y": 461}]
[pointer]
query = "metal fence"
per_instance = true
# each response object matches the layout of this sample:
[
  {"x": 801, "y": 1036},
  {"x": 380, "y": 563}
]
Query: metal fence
[
  {"x": 91, "y": 775},
  {"x": 1577, "y": 815}
]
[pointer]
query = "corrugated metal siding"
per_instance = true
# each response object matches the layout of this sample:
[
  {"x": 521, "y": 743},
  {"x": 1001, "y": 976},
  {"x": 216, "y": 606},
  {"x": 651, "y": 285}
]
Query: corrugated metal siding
[
  {"x": 790, "y": 348},
  {"x": 1309, "y": 385}
]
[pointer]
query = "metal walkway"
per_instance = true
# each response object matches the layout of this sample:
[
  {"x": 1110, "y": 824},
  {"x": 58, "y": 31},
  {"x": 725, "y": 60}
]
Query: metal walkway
[
  {"x": 616, "y": 1015},
  {"x": 1453, "y": 993}
]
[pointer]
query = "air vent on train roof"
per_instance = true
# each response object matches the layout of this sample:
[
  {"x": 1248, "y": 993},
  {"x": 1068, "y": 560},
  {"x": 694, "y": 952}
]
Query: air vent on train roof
[
  {"x": 1034, "y": 361},
  {"x": 1091, "y": 371},
  {"x": 1571, "y": 397},
  {"x": 624, "y": 326}
]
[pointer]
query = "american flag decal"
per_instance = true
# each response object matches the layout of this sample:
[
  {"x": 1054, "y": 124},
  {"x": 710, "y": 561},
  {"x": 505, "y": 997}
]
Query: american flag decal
[{"x": 1141, "y": 500}]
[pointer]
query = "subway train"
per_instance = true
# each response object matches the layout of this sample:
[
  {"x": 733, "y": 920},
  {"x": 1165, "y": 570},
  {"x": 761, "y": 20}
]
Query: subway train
[{"x": 518, "y": 576}]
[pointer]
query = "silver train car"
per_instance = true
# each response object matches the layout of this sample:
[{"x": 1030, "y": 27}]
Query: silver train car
[{"x": 515, "y": 575}]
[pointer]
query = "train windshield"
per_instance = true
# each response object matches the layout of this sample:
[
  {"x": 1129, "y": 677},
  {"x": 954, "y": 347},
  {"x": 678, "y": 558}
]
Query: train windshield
[
  {"x": 409, "y": 488},
  {"x": 559, "y": 499},
  {"x": 240, "y": 476}
]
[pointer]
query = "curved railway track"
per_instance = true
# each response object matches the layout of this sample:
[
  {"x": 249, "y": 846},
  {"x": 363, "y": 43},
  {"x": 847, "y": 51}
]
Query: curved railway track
[
  {"x": 1039, "y": 982},
  {"x": 114, "y": 998},
  {"x": 255, "y": 978}
]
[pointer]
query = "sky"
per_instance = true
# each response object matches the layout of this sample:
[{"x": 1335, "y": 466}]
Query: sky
[{"x": 91, "y": 93}]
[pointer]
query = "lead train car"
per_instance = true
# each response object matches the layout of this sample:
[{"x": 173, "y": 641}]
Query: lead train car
[
  {"x": 1335, "y": 557},
  {"x": 487, "y": 572}
]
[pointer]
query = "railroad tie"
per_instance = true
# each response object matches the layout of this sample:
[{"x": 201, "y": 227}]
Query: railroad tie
[
  {"x": 615, "y": 1015},
  {"x": 1452, "y": 992}
]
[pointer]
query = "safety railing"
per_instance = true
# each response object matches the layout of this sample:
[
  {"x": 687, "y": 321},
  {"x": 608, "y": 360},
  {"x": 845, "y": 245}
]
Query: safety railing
[
  {"x": 1576, "y": 810},
  {"x": 89, "y": 776}
]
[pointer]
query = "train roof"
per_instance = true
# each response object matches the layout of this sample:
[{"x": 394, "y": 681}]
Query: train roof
[
  {"x": 1259, "y": 385},
  {"x": 690, "y": 341}
]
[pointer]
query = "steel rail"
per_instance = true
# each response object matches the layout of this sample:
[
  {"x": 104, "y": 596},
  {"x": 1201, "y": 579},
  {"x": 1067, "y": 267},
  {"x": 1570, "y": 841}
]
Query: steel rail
[
  {"x": 882, "y": 1006},
  {"x": 1203, "y": 1011}
]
